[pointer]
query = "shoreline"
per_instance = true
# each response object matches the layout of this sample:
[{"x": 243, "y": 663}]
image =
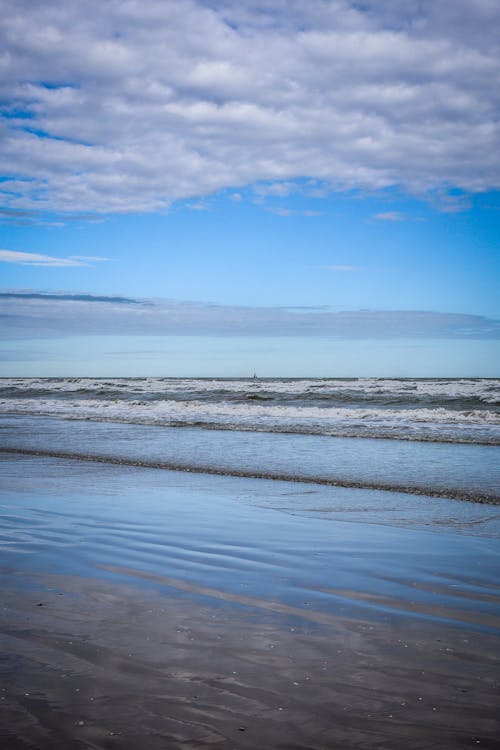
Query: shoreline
[
  {"x": 431, "y": 492},
  {"x": 463, "y": 471}
]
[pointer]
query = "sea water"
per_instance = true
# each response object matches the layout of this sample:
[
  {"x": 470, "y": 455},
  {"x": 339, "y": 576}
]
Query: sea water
[
  {"x": 440, "y": 410},
  {"x": 437, "y": 437}
]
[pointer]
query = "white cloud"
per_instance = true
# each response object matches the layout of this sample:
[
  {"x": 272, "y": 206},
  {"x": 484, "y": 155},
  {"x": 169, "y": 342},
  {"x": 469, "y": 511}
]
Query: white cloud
[
  {"x": 280, "y": 211},
  {"x": 199, "y": 206},
  {"x": 389, "y": 216},
  {"x": 33, "y": 314},
  {"x": 128, "y": 106},
  {"x": 276, "y": 189},
  {"x": 35, "y": 259}
]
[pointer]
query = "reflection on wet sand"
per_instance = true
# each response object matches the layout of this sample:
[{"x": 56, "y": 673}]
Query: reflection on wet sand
[
  {"x": 94, "y": 664},
  {"x": 150, "y": 609}
]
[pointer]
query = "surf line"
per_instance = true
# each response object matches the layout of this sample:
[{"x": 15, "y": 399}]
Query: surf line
[{"x": 451, "y": 494}]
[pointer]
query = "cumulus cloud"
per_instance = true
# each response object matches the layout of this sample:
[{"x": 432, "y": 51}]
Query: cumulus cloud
[
  {"x": 127, "y": 106},
  {"x": 279, "y": 189},
  {"x": 34, "y": 314},
  {"x": 36, "y": 259}
]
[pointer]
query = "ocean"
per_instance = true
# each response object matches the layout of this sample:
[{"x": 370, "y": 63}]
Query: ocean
[
  {"x": 432, "y": 436},
  {"x": 439, "y": 410}
]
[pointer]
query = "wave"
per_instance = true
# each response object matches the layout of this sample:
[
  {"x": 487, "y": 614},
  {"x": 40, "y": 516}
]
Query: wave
[
  {"x": 439, "y": 424},
  {"x": 405, "y": 390},
  {"x": 422, "y": 490}
]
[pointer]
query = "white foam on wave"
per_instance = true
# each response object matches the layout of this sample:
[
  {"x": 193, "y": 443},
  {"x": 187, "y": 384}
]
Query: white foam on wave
[
  {"x": 486, "y": 390},
  {"x": 421, "y": 423}
]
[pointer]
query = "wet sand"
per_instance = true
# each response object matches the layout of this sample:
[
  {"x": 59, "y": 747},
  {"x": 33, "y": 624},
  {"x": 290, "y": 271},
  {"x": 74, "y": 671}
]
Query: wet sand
[
  {"x": 89, "y": 664},
  {"x": 129, "y": 620}
]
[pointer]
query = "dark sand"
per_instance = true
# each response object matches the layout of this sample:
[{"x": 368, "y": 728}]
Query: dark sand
[
  {"x": 89, "y": 664},
  {"x": 98, "y": 653}
]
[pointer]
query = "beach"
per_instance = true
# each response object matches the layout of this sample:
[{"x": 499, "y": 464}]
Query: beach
[
  {"x": 250, "y": 375},
  {"x": 172, "y": 587}
]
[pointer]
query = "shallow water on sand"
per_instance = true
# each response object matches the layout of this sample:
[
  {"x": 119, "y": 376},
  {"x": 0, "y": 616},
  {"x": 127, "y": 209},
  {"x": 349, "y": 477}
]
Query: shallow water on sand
[
  {"x": 453, "y": 470},
  {"x": 318, "y": 551}
]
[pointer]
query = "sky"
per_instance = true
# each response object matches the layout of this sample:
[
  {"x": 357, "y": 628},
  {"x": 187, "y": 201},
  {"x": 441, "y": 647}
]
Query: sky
[{"x": 217, "y": 188}]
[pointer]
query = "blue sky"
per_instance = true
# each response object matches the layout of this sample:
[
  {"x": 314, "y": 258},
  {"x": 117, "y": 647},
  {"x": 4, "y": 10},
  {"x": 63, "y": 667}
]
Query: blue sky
[{"x": 296, "y": 190}]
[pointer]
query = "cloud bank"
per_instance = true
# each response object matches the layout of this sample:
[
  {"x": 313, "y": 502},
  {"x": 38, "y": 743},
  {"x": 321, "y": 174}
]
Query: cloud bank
[
  {"x": 33, "y": 315},
  {"x": 126, "y": 106},
  {"x": 36, "y": 259}
]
